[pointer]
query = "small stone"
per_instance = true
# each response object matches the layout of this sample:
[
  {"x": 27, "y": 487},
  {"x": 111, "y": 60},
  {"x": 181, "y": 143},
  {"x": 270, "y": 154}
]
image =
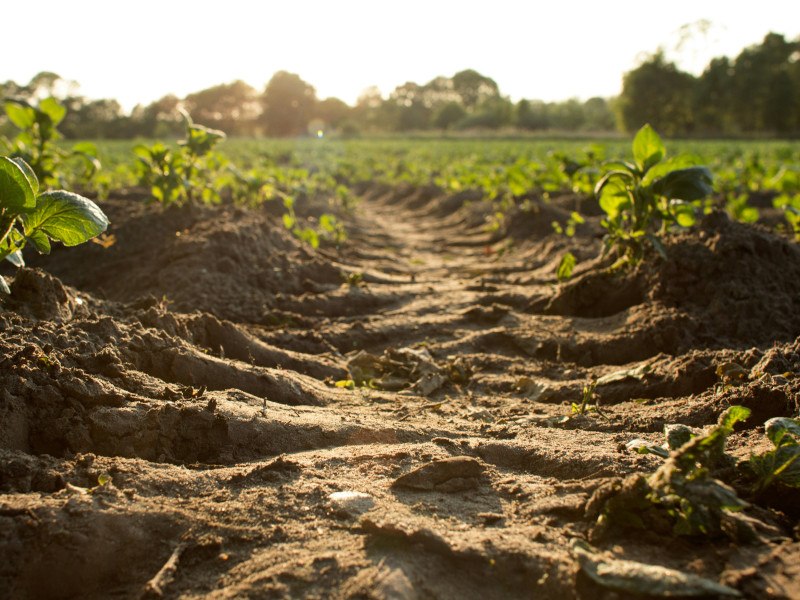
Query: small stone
[{"x": 350, "y": 503}]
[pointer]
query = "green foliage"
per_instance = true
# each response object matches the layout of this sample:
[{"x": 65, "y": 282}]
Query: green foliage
[
  {"x": 649, "y": 195},
  {"x": 586, "y": 398},
  {"x": 26, "y": 215},
  {"x": 782, "y": 463},
  {"x": 568, "y": 229},
  {"x": 36, "y": 142},
  {"x": 566, "y": 266},
  {"x": 683, "y": 494},
  {"x": 185, "y": 174}
]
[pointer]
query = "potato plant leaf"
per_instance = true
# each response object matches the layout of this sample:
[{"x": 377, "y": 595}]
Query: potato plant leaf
[
  {"x": 648, "y": 149},
  {"x": 21, "y": 115},
  {"x": 614, "y": 195},
  {"x": 15, "y": 258},
  {"x": 782, "y": 463},
  {"x": 692, "y": 183},
  {"x": 566, "y": 266},
  {"x": 16, "y": 190},
  {"x": 53, "y": 109},
  {"x": 65, "y": 217},
  {"x": 29, "y": 173}
]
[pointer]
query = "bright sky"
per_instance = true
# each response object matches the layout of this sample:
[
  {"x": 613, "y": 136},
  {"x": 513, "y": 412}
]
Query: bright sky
[{"x": 137, "y": 51}]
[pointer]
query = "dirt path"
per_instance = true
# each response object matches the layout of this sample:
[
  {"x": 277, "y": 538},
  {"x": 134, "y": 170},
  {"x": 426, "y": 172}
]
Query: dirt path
[{"x": 171, "y": 424}]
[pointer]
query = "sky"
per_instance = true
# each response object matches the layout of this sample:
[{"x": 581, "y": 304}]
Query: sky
[{"x": 138, "y": 51}]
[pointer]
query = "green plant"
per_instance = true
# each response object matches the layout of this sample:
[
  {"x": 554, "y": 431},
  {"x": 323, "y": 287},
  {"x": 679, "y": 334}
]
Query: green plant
[
  {"x": 160, "y": 169},
  {"x": 305, "y": 233},
  {"x": 36, "y": 141},
  {"x": 644, "y": 198},
  {"x": 39, "y": 218},
  {"x": 782, "y": 463},
  {"x": 568, "y": 229},
  {"x": 587, "y": 395},
  {"x": 175, "y": 176},
  {"x": 683, "y": 495},
  {"x": 566, "y": 266}
]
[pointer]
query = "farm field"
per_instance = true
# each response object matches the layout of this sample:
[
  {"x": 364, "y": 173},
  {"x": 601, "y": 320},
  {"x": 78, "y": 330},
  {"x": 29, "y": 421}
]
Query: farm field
[{"x": 368, "y": 369}]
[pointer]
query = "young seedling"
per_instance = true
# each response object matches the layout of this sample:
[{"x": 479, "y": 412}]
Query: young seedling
[
  {"x": 176, "y": 176},
  {"x": 566, "y": 266},
  {"x": 39, "y": 218},
  {"x": 782, "y": 463},
  {"x": 644, "y": 198},
  {"x": 586, "y": 398}
]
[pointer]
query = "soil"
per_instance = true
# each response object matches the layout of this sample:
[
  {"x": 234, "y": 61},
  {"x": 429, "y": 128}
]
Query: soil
[{"x": 171, "y": 424}]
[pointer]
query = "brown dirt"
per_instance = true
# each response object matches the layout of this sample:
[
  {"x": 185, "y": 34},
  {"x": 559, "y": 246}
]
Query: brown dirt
[{"x": 190, "y": 369}]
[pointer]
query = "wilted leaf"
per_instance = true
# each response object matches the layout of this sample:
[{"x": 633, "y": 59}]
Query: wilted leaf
[
  {"x": 637, "y": 373},
  {"x": 641, "y": 578}
]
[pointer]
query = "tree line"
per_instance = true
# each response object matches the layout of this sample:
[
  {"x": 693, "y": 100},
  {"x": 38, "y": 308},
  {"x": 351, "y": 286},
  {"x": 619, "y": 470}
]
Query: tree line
[{"x": 758, "y": 92}]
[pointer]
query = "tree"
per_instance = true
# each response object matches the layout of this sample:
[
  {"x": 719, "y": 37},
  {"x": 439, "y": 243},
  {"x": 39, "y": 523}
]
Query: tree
[
  {"x": 474, "y": 88},
  {"x": 531, "y": 114},
  {"x": 567, "y": 116},
  {"x": 598, "y": 115},
  {"x": 713, "y": 98},
  {"x": 367, "y": 113},
  {"x": 332, "y": 112},
  {"x": 656, "y": 92},
  {"x": 764, "y": 92},
  {"x": 449, "y": 115},
  {"x": 406, "y": 109},
  {"x": 288, "y": 105},
  {"x": 92, "y": 119},
  {"x": 492, "y": 113},
  {"x": 231, "y": 107},
  {"x": 160, "y": 118}
]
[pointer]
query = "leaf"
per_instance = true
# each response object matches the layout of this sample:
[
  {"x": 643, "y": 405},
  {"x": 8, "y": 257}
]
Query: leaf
[
  {"x": 614, "y": 196},
  {"x": 658, "y": 245},
  {"x": 733, "y": 415},
  {"x": 648, "y": 149},
  {"x": 637, "y": 373},
  {"x": 65, "y": 217},
  {"x": 4, "y": 286},
  {"x": 29, "y": 173},
  {"x": 674, "y": 163},
  {"x": 779, "y": 429},
  {"x": 16, "y": 192},
  {"x": 53, "y": 109},
  {"x": 642, "y": 446},
  {"x": 684, "y": 213},
  {"x": 15, "y": 258},
  {"x": 566, "y": 266},
  {"x": 40, "y": 241},
  {"x": 21, "y": 115},
  {"x": 693, "y": 183},
  {"x": 642, "y": 578}
]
